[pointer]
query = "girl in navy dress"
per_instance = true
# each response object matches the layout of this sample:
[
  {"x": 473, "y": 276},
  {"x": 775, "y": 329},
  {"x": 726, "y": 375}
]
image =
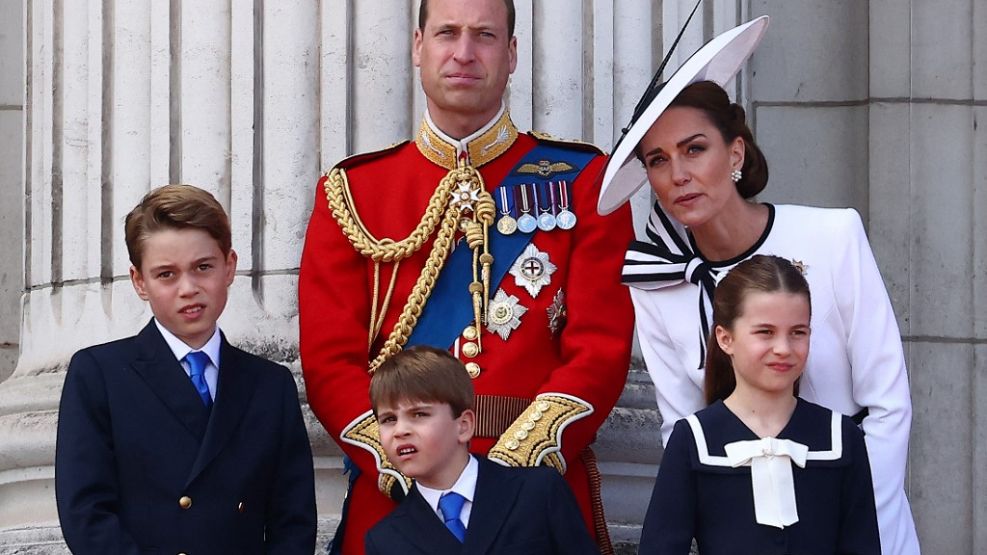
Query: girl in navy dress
[{"x": 760, "y": 471}]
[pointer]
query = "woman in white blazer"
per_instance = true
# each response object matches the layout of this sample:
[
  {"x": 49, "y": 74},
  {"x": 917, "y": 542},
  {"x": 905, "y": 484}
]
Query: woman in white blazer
[{"x": 694, "y": 148}]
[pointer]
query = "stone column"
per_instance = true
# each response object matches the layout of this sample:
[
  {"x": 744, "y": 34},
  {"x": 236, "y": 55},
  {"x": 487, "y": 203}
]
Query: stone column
[{"x": 125, "y": 96}]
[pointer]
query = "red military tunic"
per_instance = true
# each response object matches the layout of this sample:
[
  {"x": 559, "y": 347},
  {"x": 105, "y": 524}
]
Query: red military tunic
[{"x": 579, "y": 367}]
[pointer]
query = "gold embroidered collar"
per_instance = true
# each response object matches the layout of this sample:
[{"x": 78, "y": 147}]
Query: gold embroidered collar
[{"x": 486, "y": 144}]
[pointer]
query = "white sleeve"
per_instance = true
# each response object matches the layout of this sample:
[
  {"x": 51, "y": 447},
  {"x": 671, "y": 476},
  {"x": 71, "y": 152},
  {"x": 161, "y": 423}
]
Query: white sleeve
[
  {"x": 677, "y": 394},
  {"x": 880, "y": 381}
]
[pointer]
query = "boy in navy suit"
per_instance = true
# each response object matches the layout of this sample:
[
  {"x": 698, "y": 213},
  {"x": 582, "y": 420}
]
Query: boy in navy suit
[
  {"x": 173, "y": 440},
  {"x": 460, "y": 503}
]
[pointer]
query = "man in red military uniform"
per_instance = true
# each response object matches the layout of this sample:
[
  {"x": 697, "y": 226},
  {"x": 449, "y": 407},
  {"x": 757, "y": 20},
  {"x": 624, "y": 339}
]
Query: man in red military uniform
[{"x": 476, "y": 238}]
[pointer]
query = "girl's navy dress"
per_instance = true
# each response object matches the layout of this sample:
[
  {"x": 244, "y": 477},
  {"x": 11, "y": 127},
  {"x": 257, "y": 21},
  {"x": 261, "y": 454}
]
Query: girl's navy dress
[{"x": 700, "y": 495}]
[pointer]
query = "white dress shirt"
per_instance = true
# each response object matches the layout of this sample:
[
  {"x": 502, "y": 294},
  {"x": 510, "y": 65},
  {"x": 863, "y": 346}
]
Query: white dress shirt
[
  {"x": 465, "y": 486},
  {"x": 211, "y": 349}
]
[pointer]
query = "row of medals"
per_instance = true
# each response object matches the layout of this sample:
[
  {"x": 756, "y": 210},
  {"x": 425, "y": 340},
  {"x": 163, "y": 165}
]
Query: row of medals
[{"x": 518, "y": 205}]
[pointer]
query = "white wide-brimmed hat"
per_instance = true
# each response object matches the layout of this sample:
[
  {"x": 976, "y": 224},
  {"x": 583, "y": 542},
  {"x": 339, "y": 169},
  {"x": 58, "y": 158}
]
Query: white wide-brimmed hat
[{"x": 718, "y": 61}]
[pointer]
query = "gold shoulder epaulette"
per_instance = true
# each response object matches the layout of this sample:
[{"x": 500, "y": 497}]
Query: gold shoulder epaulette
[
  {"x": 570, "y": 143},
  {"x": 361, "y": 157}
]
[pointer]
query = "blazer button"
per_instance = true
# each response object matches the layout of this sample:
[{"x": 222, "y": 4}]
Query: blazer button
[
  {"x": 185, "y": 502},
  {"x": 240, "y": 507}
]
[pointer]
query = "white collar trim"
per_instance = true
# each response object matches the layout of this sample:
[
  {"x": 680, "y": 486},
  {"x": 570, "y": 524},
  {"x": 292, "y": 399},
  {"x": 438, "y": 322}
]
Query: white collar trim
[{"x": 834, "y": 453}]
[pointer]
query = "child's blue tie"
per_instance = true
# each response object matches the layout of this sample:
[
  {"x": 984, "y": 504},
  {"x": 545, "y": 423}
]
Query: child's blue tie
[
  {"x": 450, "y": 505},
  {"x": 197, "y": 361}
]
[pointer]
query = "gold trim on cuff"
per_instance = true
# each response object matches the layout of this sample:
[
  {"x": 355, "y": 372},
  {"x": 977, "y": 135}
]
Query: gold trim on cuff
[
  {"x": 364, "y": 432},
  {"x": 535, "y": 437}
]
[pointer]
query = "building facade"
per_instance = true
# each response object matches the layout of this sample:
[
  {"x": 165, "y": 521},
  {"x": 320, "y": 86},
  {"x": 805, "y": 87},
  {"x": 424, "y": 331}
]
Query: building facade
[{"x": 864, "y": 103}]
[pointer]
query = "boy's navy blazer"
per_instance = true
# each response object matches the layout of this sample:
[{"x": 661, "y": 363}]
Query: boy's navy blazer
[
  {"x": 141, "y": 466},
  {"x": 515, "y": 510}
]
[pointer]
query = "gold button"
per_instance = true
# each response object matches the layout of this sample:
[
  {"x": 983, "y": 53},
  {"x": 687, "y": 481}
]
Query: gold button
[
  {"x": 473, "y": 369},
  {"x": 512, "y": 444},
  {"x": 471, "y": 349},
  {"x": 544, "y": 406},
  {"x": 469, "y": 333},
  {"x": 185, "y": 502},
  {"x": 535, "y": 416},
  {"x": 241, "y": 507},
  {"x": 520, "y": 435},
  {"x": 528, "y": 426}
]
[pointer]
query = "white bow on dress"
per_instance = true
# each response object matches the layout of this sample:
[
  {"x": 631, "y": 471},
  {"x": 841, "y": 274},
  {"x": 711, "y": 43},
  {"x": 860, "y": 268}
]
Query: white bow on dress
[{"x": 771, "y": 461}]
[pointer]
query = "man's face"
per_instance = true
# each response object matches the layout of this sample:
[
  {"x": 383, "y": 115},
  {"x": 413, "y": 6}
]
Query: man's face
[{"x": 465, "y": 56}]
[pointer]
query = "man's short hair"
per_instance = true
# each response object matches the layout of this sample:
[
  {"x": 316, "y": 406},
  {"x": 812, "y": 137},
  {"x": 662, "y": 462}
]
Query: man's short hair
[
  {"x": 423, "y": 16},
  {"x": 175, "y": 207},
  {"x": 422, "y": 374}
]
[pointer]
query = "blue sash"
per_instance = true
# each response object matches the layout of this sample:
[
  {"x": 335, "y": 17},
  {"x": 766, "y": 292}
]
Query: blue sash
[{"x": 450, "y": 308}]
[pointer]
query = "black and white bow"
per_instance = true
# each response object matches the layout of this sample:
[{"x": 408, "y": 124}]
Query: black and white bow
[{"x": 668, "y": 259}]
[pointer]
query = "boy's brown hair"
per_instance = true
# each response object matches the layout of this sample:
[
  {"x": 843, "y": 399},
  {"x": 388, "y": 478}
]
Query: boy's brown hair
[
  {"x": 422, "y": 373},
  {"x": 175, "y": 207}
]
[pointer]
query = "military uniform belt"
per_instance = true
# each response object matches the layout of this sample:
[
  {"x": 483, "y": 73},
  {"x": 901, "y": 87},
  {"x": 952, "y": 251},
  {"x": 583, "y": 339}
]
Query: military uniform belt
[{"x": 495, "y": 413}]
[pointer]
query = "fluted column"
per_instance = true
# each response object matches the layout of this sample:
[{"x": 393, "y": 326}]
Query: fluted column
[{"x": 125, "y": 96}]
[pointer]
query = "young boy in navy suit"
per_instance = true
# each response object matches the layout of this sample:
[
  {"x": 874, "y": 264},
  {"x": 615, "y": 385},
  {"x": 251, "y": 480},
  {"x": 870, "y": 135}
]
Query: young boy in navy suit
[
  {"x": 173, "y": 440},
  {"x": 460, "y": 503}
]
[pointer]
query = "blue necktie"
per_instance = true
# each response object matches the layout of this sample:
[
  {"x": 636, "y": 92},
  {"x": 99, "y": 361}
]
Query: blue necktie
[
  {"x": 197, "y": 361},
  {"x": 450, "y": 505}
]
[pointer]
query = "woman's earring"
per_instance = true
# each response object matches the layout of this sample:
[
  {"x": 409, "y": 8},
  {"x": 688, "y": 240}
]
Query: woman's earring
[{"x": 735, "y": 175}]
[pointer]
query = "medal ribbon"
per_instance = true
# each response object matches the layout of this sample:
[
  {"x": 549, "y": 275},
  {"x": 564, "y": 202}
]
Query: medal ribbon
[{"x": 449, "y": 308}]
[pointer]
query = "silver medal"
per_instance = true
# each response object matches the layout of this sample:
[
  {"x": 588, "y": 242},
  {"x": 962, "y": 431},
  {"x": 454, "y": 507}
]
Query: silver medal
[
  {"x": 566, "y": 220},
  {"x": 546, "y": 221},
  {"x": 527, "y": 223}
]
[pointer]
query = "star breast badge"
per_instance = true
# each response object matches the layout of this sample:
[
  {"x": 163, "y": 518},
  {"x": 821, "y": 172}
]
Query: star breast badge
[
  {"x": 504, "y": 314},
  {"x": 532, "y": 270}
]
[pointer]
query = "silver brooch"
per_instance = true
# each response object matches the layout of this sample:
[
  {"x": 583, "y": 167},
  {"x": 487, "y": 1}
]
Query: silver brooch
[
  {"x": 504, "y": 314},
  {"x": 532, "y": 270}
]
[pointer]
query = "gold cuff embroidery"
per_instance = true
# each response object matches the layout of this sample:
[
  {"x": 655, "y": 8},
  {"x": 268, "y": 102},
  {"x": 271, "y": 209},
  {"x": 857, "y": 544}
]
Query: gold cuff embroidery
[
  {"x": 364, "y": 432},
  {"x": 535, "y": 438}
]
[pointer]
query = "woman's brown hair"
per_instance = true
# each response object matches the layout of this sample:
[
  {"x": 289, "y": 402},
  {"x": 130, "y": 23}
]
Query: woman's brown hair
[
  {"x": 731, "y": 120},
  {"x": 760, "y": 274}
]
